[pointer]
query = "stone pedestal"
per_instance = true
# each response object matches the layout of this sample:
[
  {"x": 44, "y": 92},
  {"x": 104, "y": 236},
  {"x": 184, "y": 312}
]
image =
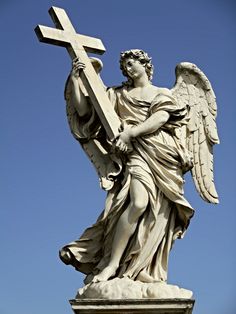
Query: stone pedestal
[{"x": 141, "y": 306}]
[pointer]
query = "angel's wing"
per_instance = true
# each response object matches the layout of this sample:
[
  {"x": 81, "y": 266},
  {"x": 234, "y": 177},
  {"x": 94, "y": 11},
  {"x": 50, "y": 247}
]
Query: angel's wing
[{"x": 194, "y": 89}]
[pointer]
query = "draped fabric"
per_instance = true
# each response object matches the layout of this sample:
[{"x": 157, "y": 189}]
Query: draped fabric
[{"x": 157, "y": 161}]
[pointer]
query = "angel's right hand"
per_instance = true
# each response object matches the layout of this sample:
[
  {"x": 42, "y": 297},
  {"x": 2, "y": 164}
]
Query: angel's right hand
[{"x": 77, "y": 67}]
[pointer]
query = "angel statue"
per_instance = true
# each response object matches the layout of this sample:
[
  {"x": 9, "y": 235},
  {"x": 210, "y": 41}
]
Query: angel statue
[{"x": 164, "y": 133}]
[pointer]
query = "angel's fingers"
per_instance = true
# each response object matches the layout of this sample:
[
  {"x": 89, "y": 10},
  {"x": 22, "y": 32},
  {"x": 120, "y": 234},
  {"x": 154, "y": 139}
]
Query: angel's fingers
[
  {"x": 79, "y": 65},
  {"x": 118, "y": 142},
  {"x": 122, "y": 147},
  {"x": 78, "y": 68},
  {"x": 126, "y": 149},
  {"x": 75, "y": 60}
]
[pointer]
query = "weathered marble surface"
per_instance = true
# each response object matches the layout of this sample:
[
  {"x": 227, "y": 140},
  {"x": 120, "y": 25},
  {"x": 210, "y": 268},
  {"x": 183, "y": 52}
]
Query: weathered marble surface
[
  {"x": 164, "y": 133},
  {"x": 174, "y": 306},
  {"x": 126, "y": 288}
]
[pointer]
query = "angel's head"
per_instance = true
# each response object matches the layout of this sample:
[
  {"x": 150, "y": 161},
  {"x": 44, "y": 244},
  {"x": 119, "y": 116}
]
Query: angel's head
[{"x": 136, "y": 55}]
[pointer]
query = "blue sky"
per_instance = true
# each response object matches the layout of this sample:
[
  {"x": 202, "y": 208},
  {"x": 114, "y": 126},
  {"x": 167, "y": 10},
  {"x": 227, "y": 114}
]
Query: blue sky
[{"x": 49, "y": 189}]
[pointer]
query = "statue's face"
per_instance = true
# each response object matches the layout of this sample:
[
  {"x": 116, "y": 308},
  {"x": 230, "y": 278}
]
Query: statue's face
[{"x": 134, "y": 68}]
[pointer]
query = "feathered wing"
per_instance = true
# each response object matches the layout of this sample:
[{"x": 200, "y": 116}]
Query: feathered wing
[{"x": 194, "y": 89}]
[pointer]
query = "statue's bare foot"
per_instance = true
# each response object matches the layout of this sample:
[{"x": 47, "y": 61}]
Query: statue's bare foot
[
  {"x": 144, "y": 277},
  {"x": 105, "y": 274}
]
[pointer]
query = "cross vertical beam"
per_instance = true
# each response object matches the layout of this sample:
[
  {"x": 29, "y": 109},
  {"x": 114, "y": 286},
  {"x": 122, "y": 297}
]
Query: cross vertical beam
[{"x": 77, "y": 46}]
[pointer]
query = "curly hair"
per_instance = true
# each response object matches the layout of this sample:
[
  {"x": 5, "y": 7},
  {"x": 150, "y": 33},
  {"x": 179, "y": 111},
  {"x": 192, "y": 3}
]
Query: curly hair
[{"x": 142, "y": 57}]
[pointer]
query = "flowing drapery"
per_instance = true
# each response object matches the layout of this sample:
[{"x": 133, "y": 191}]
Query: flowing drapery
[{"x": 157, "y": 161}]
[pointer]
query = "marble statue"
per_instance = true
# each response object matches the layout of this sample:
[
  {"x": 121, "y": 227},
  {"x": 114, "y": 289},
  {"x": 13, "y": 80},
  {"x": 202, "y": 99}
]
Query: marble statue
[
  {"x": 142, "y": 139},
  {"x": 164, "y": 133}
]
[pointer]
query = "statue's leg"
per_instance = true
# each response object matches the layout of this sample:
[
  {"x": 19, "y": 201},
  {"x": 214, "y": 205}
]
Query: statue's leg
[{"x": 125, "y": 228}]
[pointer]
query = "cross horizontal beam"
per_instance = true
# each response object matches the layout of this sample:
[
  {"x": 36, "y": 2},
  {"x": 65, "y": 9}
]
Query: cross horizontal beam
[
  {"x": 60, "y": 37},
  {"x": 77, "y": 45}
]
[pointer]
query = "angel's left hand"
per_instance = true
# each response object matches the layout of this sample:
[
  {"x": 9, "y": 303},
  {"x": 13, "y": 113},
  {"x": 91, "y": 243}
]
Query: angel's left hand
[{"x": 123, "y": 141}]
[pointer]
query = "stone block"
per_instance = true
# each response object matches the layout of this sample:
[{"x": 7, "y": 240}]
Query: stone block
[{"x": 141, "y": 306}]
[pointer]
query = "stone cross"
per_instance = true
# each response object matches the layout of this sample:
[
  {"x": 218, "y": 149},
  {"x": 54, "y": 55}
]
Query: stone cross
[{"x": 77, "y": 46}]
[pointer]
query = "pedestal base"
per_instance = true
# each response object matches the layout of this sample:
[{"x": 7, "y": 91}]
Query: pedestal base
[{"x": 141, "y": 306}]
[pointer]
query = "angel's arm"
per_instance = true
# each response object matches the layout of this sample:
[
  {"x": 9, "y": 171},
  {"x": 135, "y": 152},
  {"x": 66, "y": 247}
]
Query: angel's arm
[
  {"x": 77, "y": 97},
  {"x": 151, "y": 125}
]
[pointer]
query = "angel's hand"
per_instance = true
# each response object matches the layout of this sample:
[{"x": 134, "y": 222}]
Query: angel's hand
[
  {"x": 77, "y": 67},
  {"x": 123, "y": 141}
]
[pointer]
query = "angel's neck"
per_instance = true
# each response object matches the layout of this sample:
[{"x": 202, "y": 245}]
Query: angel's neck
[{"x": 142, "y": 81}]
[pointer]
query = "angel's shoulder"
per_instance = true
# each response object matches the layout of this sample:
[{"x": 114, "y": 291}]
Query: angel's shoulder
[{"x": 163, "y": 91}]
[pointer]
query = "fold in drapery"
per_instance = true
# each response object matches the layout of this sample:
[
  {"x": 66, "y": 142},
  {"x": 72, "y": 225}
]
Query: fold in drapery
[{"x": 156, "y": 162}]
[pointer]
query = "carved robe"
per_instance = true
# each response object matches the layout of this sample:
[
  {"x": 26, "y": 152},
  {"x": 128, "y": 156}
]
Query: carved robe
[{"x": 158, "y": 161}]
